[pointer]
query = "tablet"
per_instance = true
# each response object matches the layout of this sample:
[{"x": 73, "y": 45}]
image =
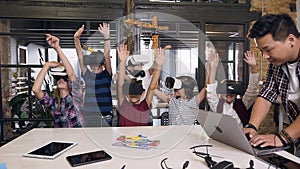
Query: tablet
[
  {"x": 88, "y": 158},
  {"x": 279, "y": 161},
  {"x": 50, "y": 150}
]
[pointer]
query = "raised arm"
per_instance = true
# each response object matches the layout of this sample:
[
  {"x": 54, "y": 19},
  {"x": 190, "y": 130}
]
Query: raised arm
[
  {"x": 104, "y": 30},
  {"x": 202, "y": 94},
  {"x": 79, "y": 52},
  {"x": 123, "y": 54},
  {"x": 252, "y": 89},
  {"x": 162, "y": 96},
  {"x": 54, "y": 43},
  {"x": 37, "y": 86},
  {"x": 211, "y": 89},
  {"x": 213, "y": 63},
  {"x": 251, "y": 61},
  {"x": 157, "y": 65}
]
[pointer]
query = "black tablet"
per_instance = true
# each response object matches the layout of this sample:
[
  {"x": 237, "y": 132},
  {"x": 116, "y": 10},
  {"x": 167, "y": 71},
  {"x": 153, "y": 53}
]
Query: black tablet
[
  {"x": 88, "y": 157},
  {"x": 50, "y": 150},
  {"x": 279, "y": 161}
]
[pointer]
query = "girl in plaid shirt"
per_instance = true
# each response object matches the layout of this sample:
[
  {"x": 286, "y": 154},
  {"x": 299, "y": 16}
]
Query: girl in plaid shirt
[{"x": 66, "y": 103}]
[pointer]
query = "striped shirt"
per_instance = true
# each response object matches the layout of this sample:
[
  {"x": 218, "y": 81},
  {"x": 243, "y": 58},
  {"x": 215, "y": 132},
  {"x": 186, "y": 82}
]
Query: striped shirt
[
  {"x": 180, "y": 111},
  {"x": 98, "y": 93}
]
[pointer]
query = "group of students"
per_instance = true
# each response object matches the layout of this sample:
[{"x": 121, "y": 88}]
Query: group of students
[
  {"x": 74, "y": 105},
  {"x": 275, "y": 35}
]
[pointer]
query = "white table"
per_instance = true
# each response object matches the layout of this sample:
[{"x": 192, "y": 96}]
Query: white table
[{"x": 175, "y": 142}]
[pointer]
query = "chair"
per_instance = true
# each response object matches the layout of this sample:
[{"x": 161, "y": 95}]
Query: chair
[{"x": 165, "y": 119}]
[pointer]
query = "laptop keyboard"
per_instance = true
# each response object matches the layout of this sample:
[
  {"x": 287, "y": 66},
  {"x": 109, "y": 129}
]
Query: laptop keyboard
[{"x": 261, "y": 148}]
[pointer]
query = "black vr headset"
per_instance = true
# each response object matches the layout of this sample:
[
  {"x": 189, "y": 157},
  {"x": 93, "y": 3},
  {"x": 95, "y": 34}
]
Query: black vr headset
[
  {"x": 135, "y": 87},
  {"x": 137, "y": 73},
  {"x": 170, "y": 81},
  {"x": 179, "y": 82},
  {"x": 230, "y": 87},
  {"x": 95, "y": 58},
  {"x": 57, "y": 78}
]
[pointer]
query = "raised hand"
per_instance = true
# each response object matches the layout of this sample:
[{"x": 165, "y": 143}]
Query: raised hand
[
  {"x": 213, "y": 60},
  {"x": 123, "y": 53},
  {"x": 250, "y": 58},
  {"x": 159, "y": 55},
  {"x": 52, "y": 41},
  {"x": 104, "y": 30},
  {"x": 251, "y": 61},
  {"x": 79, "y": 31}
]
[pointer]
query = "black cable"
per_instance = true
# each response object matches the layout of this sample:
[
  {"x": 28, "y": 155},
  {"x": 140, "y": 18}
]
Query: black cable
[{"x": 185, "y": 165}]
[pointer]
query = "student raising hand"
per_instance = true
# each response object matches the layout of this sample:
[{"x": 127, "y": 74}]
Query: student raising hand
[
  {"x": 251, "y": 61},
  {"x": 52, "y": 41},
  {"x": 123, "y": 53}
]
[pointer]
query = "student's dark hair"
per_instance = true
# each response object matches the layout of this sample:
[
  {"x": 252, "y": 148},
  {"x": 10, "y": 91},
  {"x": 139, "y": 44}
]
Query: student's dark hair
[{"x": 279, "y": 26}]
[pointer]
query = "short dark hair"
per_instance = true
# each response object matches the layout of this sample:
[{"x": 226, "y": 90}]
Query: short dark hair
[
  {"x": 278, "y": 25},
  {"x": 134, "y": 87}
]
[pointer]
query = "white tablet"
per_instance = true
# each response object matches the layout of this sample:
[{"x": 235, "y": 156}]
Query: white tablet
[{"x": 51, "y": 150}]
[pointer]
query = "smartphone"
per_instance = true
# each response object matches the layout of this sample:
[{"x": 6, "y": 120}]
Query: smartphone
[
  {"x": 88, "y": 158},
  {"x": 279, "y": 161}
]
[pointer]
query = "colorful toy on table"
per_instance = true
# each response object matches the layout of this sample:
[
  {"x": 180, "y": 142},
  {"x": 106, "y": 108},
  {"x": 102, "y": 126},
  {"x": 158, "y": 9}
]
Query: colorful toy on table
[
  {"x": 139, "y": 141},
  {"x": 3, "y": 166}
]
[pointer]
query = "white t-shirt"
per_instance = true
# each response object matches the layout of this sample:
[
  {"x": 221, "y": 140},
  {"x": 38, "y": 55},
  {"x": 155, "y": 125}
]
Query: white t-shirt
[{"x": 293, "y": 91}]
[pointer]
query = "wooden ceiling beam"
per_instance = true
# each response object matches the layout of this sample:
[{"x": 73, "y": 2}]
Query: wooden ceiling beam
[{"x": 113, "y": 9}]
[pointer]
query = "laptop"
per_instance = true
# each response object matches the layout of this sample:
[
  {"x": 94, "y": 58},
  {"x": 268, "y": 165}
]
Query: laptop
[{"x": 225, "y": 129}]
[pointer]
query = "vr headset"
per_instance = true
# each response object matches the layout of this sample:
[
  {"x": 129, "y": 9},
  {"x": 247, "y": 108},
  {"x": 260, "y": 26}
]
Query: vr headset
[
  {"x": 230, "y": 87},
  {"x": 95, "y": 58},
  {"x": 59, "y": 73},
  {"x": 137, "y": 73},
  {"x": 173, "y": 83},
  {"x": 135, "y": 87},
  {"x": 135, "y": 60}
]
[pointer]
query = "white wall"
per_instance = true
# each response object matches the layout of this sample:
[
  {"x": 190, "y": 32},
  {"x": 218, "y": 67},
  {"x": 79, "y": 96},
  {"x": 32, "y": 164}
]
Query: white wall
[
  {"x": 13, "y": 51},
  {"x": 72, "y": 57},
  {"x": 33, "y": 58}
]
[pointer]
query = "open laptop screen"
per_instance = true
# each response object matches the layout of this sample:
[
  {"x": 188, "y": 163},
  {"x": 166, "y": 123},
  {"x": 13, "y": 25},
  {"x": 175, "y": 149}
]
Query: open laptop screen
[{"x": 226, "y": 129}]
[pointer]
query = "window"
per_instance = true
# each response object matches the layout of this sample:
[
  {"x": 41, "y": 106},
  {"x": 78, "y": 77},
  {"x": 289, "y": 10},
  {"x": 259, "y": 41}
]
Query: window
[{"x": 229, "y": 41}]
